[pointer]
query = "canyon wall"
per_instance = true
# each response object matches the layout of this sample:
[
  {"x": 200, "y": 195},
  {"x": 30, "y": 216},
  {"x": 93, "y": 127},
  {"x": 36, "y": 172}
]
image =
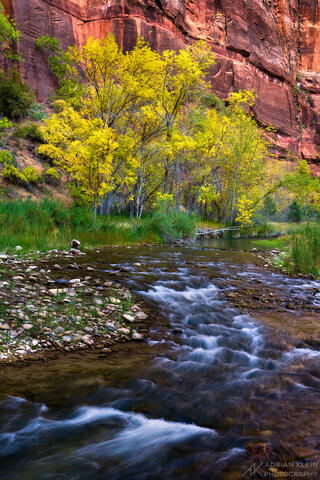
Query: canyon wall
[{"x": 271, "y": 46}]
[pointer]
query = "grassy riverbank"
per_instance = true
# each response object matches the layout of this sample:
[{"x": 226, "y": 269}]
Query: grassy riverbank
[
  {"x": 48, "y": 224},
  {"x": 300, "y": 249}
]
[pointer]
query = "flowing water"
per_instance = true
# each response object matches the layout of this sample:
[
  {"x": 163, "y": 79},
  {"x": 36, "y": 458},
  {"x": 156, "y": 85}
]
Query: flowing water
[{"x": 212, "y": 390}]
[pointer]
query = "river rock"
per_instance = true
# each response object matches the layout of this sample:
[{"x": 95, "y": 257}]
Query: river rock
[
  {"x": 114, "y": 300},
  {"x": 76, "y": 244},
  {"x": 125, "y": 331},
  {"x": 138, "y": 337},
  {"x": 18, "y": 248},
  {"x": 74, "y": 251},
  {"x": 141, "y": 316},
  {"x": 128, "y": 318},
  {"x": 87, "y": 340},
  {"x": 4, "y": 326},
  {"x": 27, "y": 326}
]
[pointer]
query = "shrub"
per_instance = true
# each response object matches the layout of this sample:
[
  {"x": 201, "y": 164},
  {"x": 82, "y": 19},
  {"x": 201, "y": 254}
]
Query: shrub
[
  {"x": 269, "y": 206},
  {"x": 13, "y": 174},
  {"x": 305, "y": 250},
  {"x": 30, "y": 131},
  {"x": 171, "y": 225},
  {"x": 15, "y": 95},
  {"x": 6, "y": 157},
  {"x": 4, "y": 124},
  {"x": 37, "y": 112},
  {"x": 294, "y": 214},
  {"x": 52, "y": 176},
  {"x": 31, "y": 174}
]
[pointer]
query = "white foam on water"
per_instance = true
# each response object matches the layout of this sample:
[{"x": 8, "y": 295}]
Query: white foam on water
[{"x": 143, "y": 437}]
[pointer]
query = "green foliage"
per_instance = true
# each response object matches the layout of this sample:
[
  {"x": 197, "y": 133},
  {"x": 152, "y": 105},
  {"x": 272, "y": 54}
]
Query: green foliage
[
  {"x": 6, "y": 157},
  {"x": 49, "y": 224},
  {"x": 5, "y": 124},
  {"x": 31, "y": 174},
  {"x": 294, "y": 214},
  {"x": 30, "y": 131},
  {"x": 52, "y": 176},
  {"x": 269, "y": 206},
  {"x": 304, "y": 254},
  {"x": 172, "y": 225},
  {"x": 304, "y": 186},
  {"x": 13, "y": 174},
  {"x": 9, "y": 36},
  {"x": 37, "y": 112},
  {"x": 15, "y": 95}
]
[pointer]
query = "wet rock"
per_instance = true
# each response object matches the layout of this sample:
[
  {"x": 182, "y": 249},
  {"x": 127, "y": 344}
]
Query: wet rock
[
  {"x": 138, "y": 337},
  {"x": 74, "y": 251},
  {"x": 141, "y": 316},
  {"x": 258, "y": 450},
  {"x": 304, "y": 452}
]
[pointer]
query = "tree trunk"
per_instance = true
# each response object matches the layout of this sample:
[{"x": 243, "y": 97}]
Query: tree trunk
[
  {"x": 166, "y": 177},
  {"x": 95, "y": 207},
  {"x": 109, "y": 203}
]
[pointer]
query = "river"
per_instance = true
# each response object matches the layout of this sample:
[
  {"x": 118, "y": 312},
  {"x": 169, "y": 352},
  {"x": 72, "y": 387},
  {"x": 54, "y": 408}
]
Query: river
[{"x": 211, "y": 394}]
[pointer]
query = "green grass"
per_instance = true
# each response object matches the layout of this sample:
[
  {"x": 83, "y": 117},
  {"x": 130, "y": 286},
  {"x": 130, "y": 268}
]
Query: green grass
[
  {"x": 48, "y": 224},
  {"x": 272, "y": 243},
  {"x": 304, "y": 250}
]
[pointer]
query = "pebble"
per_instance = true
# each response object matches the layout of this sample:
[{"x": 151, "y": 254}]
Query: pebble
[
  {"x": 125, "y": 331},
  {"x": 27, "y": 326},
  {"x": 114, "y": 300},
  {"x": 86, "y": 315},
  {"x": 128, "y": 318},
  {"x": 141, "y": 316}
]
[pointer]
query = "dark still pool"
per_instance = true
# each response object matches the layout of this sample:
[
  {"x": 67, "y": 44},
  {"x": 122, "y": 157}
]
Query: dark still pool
[{"x": 216, "y": 392}]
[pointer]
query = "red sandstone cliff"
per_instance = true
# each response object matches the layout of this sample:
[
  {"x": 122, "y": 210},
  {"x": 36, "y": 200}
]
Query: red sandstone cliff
[{"x": 272, "y": 46}]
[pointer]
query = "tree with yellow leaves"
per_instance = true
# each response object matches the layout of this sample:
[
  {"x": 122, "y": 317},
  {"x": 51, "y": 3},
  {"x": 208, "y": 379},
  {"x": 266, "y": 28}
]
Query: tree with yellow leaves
[{"x": 83, "y": 147}]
